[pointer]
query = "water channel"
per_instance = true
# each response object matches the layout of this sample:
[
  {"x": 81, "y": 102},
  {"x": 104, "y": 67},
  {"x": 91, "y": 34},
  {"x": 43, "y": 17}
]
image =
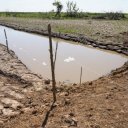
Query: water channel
[{"x": 33, "y": 51}]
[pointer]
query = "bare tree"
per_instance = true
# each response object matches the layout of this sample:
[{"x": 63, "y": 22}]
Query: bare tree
[{"x": 72, "y": 9}]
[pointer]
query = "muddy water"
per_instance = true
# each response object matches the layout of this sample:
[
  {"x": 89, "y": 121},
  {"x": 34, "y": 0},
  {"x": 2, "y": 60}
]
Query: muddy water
[{"x": 33, "y": 50}]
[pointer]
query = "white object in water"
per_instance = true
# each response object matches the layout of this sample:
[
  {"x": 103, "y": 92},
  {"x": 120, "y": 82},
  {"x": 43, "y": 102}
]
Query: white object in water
[
  {"x": 44, "y": 64},
  {"x": 34, "y": 59},
  {"x": 69, "y": 59}
]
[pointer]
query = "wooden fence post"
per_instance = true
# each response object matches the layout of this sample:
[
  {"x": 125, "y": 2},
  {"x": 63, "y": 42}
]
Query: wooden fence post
[
  {"x": 80, "y": 75},
  {"x": 55, "y": 55},
  {"x": 52, "y": 64},
  {"x": 6, "y": 40}
]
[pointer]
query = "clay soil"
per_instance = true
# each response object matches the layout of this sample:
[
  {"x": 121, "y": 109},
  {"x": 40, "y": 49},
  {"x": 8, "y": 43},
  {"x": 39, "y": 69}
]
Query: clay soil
[{"x": 26, "y": 98}]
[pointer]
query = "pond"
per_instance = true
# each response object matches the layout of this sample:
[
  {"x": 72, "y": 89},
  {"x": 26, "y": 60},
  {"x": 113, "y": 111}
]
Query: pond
[{"x": 33, "y": 51}]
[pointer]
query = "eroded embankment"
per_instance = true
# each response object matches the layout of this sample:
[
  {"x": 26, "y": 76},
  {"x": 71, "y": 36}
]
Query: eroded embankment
[
  {"x": 16, "y": 82},
  {"x": 11, "y": 66},
  {"x": 102, "y": 103},
  {"x": 119, "y": 48}
]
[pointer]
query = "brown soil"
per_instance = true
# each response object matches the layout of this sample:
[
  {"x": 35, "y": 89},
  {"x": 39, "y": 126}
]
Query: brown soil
[{"x": 25, "y": 99}]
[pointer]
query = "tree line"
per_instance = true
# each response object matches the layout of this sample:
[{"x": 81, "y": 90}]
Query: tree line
[{"x": 72, "y": 11}]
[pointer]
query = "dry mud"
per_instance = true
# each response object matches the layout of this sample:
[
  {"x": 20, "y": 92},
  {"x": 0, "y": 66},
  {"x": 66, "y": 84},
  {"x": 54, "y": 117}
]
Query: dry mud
[
  {"x": 15, "y": 82},
  {"x": 25, "y": 99}
]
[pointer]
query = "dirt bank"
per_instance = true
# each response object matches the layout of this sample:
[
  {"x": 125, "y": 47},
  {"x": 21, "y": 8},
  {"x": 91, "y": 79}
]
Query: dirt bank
[
  {"x": 119, "y": 46},
  {"x": 12, "y": 67},
  {"x": 25, "y": 99},
  {"x": 16, "y": 81}
]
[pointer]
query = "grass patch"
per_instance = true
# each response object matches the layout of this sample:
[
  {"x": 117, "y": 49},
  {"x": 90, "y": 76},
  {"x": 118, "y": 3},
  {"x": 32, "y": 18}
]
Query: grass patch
[
  {"x": 80, "y": 15},
  {"x": 65, "y": 30},
  {"x": 107, "y": 31}
]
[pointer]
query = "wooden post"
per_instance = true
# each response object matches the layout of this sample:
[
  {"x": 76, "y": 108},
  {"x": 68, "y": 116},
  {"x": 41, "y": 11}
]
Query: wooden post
[
  {"x": 80, "y": 75},
  {"x": 52, "y": 64},
  {"x": 55, "y": 55},
  {"x": 6, "y": 40}
]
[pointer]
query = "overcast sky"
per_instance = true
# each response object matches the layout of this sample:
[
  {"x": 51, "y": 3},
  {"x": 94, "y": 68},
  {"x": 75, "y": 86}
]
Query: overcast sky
[{"x": 46, "y": 5}]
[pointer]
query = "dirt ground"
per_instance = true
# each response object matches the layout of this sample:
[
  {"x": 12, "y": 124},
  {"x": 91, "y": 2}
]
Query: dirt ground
[{"x": 25, "y": 99}]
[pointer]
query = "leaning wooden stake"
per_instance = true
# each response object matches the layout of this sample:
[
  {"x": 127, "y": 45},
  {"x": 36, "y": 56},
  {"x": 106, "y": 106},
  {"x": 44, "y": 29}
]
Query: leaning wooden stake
[
  {"x": 55, "y": 55},
  {"x": 6, "y": 40},
  {"x": 52, "y": 64},
  {"x": 80, "y": 75}
]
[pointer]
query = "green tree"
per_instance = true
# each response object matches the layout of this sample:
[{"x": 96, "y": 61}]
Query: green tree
[{"x": 59, "y": 8}]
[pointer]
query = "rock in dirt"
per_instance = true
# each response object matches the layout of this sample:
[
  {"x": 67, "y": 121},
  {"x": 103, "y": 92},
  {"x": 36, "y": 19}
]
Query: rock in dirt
[
  {"x": 12, "y": 103},
  {"x": 1, "y": 106},
  {"x": 9, "y": 112},
  {"x": 71, "y": 121},
  {"x": 47, "y": 81}
]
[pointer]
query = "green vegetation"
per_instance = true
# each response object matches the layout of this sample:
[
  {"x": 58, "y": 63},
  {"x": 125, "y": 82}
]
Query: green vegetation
[
  {"x": 46, "y": 15},
  {"x": 64, "y": 29},
  {"x": 65, "y": 15},
  {"x": 110, "y": 16},
  {"x": 72, "y": 12}
]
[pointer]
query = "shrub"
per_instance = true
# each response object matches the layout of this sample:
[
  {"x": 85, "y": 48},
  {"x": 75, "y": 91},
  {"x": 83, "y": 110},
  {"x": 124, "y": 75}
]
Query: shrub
[{"x": 115, "y": 16}]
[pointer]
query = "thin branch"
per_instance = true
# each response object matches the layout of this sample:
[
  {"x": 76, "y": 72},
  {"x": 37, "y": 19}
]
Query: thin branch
[
  {"x": 47, "y": 116},
  {"x": 6, "y": 40},
  {"x": 55, "y": 55},
  {"x": 80, "y": 75}
]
